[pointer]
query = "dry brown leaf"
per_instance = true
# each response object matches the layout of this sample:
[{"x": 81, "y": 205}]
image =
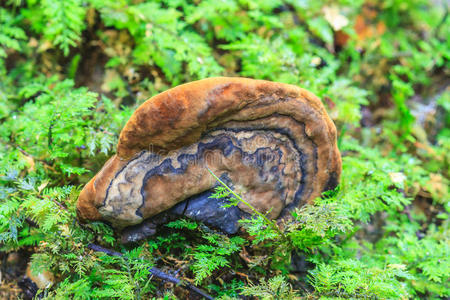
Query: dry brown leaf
[
  {"x": 42, "y": 186},
  {"x": 437, "y": 186},
  {"x": 29, "y": 161}
]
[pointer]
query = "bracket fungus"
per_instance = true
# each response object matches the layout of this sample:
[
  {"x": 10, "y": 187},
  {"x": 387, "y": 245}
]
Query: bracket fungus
[{"x": 273, "y": 143}]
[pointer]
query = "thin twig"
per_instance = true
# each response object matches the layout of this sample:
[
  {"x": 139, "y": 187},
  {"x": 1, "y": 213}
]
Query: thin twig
[
  {"x": 14, "y": 145},
  {"x": 442, "y": 22},
  {"x": 156, "y": 272}
]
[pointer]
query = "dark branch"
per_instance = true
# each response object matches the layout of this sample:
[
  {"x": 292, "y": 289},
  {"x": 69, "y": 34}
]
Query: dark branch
[{"x": 156, "y": 272}]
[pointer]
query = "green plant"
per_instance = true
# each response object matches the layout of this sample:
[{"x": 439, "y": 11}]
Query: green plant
[
  {"x": 274, "y": 288},
  {"x": 354, "y": 279},
  {"x": 71, "y": 73},
  {"x": 213, "y": 255}
]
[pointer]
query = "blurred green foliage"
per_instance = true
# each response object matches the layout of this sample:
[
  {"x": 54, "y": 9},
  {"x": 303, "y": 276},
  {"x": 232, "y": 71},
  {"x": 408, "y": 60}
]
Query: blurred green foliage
[{"x": 73, "y": 71}]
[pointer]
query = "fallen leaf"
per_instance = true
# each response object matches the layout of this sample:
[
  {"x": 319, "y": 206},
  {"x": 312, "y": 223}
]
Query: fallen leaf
[
  {"x": 29, "y": 160},
  {"x": 397, "y": 178},
  {"x": 333, "y": 16},
  {"x": 42, "y": 186}
]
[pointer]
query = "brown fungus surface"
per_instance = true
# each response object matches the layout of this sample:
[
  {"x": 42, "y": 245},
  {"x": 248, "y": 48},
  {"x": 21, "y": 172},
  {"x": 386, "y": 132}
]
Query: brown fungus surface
[{"x": 273, "y": 143}]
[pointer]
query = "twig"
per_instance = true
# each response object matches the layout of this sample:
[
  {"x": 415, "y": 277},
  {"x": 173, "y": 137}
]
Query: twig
[
  {"x": 14, "y": 145},
  {"x": 50, "y": 134},
  {"x": 442, "y": 22},
  {"x": 156, "y": 272}
]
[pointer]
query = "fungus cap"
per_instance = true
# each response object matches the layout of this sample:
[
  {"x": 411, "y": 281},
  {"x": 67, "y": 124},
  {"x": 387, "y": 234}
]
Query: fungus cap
[{"x": 272, "y": 142}]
